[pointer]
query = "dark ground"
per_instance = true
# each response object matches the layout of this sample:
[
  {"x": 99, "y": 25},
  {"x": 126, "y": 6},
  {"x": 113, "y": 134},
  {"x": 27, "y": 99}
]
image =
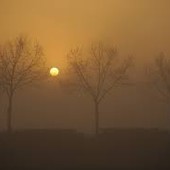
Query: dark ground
[{"x": 134, "y": 149}]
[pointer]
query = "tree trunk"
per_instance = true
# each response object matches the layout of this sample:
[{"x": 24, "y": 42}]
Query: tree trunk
[
  {"x": 96, "y": 118},
  {"x": 9, "y": 114}
]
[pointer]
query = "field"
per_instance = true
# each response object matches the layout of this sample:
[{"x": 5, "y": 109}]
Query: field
[{"x": 135, "y": 149}]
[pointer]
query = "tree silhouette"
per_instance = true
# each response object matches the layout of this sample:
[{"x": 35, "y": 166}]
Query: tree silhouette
[
  {"x": 159, "y": 74},
  {"x": 96, "y": 72},
  {"x": 21, "y": 64}
]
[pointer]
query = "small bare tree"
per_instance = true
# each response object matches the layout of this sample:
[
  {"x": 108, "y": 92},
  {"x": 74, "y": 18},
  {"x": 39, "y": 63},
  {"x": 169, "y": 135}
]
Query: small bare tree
[
  {"x": 96, "y": 72},
  {"x": 159, "y": 74},
  {"x": 21, "y": 64}
]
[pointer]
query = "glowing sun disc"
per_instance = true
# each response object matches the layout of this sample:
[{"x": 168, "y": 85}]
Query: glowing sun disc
[{"x": 54, "y": 71}]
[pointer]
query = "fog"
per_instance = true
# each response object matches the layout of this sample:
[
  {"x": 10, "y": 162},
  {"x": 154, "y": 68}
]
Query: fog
[{"x": 135, "y": 27}]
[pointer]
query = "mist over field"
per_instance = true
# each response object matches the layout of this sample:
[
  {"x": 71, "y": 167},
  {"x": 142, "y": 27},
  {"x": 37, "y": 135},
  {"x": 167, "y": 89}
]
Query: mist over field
[{"x": 137, "y": 28}]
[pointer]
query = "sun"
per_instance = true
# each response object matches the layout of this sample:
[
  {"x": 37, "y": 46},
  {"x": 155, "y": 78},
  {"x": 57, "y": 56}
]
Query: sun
[{"x": 54, "y": 71}]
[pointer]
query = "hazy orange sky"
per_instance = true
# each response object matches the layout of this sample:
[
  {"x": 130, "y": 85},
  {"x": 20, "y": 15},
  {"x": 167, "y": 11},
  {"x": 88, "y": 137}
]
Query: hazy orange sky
[{"x": 137, "y": 27}]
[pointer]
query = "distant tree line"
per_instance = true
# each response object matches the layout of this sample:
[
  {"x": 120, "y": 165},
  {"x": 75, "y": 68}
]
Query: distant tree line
[
  {"x": 95, "y": 71},
  {"x": 98, "y": 70}
]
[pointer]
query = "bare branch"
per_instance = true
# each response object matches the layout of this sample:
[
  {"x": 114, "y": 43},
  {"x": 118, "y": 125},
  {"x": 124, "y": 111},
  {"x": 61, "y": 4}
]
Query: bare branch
[
  {"x": 159, "y": 74},
  {"x": 98, "y": 71}
]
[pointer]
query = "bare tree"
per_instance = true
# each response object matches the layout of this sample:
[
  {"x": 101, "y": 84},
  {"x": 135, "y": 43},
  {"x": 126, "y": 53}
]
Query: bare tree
[
  {"x": 96, "y": 72},
  {"x": 21, "y": 64},
  {"x": 159, "y": 74}
]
